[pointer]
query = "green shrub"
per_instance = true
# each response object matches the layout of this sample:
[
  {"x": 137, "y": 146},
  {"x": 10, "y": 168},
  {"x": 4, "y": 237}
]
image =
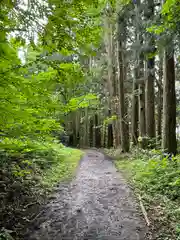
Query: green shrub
[
  {"x": 157, "y": 179},
  {"x": 28, "y": 171},
  {"x": 160, "y": 174}
]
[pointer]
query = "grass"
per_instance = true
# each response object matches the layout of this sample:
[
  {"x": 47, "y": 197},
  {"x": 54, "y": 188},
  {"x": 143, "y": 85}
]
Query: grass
[
  {"x": 29, "y": 172},
  {"x": 64, "y": 169},
  {"x": 157, "y": 180}
]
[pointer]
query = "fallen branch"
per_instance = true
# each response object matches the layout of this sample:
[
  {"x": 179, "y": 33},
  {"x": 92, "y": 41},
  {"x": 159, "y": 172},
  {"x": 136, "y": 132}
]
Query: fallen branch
[
  {"x": 31, "y": 204},
  {"x": 38, "y": 215},
  {"x": 144, "y": 211}
]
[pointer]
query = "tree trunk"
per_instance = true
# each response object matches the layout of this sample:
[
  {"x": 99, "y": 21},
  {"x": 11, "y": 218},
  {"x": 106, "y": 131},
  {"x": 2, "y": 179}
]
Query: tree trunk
[
  {"x": 149, "y": 86},
  {"x": 117, "y": 137},
  {"x": 134, "y": 129},
  {"x": 142, "y": 119},
  {"x": 105, "y": 135},
  {"x": 97, "y": 132},
  {"x": 150, "y": 107},
  {"x": 111, "y": 83},
  {"x": 159, "y": 101},
  {"x": 142, "y": 112},
  {"x": 124, "y": 126},
  {"x": 110, "y": 136},
  {"x": 91, "y": 132},
  {"x": 169, "y": 143},
  {"x": 139, "y": 74},
  {"x": 85, "y": 141}
]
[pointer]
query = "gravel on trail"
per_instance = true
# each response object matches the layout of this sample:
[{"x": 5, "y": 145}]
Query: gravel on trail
[{"x": 96, "y": 205}]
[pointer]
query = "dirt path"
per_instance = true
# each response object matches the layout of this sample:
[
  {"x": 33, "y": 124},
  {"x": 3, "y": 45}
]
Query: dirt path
[{"x": 97, "y": 205}]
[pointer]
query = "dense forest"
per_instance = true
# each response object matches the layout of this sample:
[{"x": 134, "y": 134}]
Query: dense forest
[{"x": 83, "y": 74}]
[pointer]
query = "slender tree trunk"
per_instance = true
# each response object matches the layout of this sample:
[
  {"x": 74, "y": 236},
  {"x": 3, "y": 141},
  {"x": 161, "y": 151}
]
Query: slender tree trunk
[
  {"x": 169, "y": 143},
  {"x": 142, "y": 120},
  {"x": 81, "y": 129},
  {"x": 149, "y": 86},
  {"x": 110, "y": 135},
  {"x": 117, "y": 122},
  {"x": 139, "y": 74},
  {"x": 134, "y": 129},
  {"x": 150, "y": 106},
  {"x": 86, "y": 128},
  {"x": 91, "y": 132},
  {"x": 77, "y": 128},
  {"x": 97, "y": 132},
  {"x": 104, "y": 136},
  {"x": 142, "y": 112},
  {"x": 160, "y": 101},
  {"x": 116, "y": 129},
  {"x": 111, "y": 83},
  {"x": 121, "y": 77}
]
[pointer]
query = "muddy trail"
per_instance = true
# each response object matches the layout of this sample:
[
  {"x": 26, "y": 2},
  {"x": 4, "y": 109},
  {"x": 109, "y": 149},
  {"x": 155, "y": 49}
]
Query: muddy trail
[{"x": 97, "y": 204}]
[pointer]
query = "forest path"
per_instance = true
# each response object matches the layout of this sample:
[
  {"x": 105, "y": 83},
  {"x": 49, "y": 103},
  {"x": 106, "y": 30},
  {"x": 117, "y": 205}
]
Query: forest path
[{"x": 97, "y": 205}]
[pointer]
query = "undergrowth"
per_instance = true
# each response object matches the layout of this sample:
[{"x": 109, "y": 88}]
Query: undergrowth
[
  {"x": 28, "y": 172},
  {"x": 157, "y": 179}
]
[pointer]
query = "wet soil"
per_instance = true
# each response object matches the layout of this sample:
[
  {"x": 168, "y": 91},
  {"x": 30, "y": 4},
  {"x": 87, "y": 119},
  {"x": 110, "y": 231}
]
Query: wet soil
[{"x": 96, "y": 205}]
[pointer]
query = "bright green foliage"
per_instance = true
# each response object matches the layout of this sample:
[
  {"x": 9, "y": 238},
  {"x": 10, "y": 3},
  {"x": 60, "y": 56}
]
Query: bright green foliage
[
  {"x": 64, "y": 169},
  {"x": 36, "y": 95},
  {"x": 171, "y": 13},
  {"x": 109, "y": 120},
  {"x": 30, "y": 171},
  {"x": 73, "y": 25},
  {"x": 156, "y": 173},
  {"x": 40, "y": 88},
  {"x": 161, "y": 175},
  {"x": 157, "y": 180},
  {"x": 42, "y": 80},
  {"x": 169, "y": 24}
]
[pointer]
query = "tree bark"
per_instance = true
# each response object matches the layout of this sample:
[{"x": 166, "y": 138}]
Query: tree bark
[
  {"x": 169, "y": 143},
  {"x": 150, "y": 106},
  {"x": 110, "y": 136},
  {"x": 134, "y": 129},
  {"x": 111, "y": 83},
  {"x": 142, "y": 119},
  {"x": 159, "y": 101},
  {"x": 149, "y": 86},
  {"x": 139, "y": 74},
  {"x": 91, "y": 124},
  {"x": 124, "y": 126},
  {"x": 97, "y": 132},
  {"x": 142, "y": 112}
]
